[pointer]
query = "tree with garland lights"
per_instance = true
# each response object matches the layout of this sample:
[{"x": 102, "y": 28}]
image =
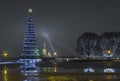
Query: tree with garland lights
[{"x": 30, "y": 48}]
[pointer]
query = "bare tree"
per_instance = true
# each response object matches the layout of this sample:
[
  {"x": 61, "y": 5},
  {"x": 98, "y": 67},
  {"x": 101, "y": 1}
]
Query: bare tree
[
  {"x": 87, "y": 44},
  {"x": 108, "y": 43}
]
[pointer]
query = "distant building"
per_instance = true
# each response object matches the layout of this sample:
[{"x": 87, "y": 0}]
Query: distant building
[
  {"x": 44, "y": 50},
  {"x": 49, "y": 54}
]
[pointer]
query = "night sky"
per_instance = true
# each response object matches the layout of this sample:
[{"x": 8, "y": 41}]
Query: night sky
[{"x": 63, "y": 20}]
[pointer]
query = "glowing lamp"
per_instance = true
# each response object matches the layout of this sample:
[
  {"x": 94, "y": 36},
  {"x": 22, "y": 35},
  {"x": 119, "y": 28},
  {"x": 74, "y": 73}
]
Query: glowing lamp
[
  {"x": 5, "y": 54},
  {"x": 55, "y": 54},
  {"x": 30, "y": 10},
  {"x": 109, "y": 51}
]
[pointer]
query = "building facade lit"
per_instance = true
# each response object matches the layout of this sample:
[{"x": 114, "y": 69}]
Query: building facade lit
[{"x": 44, "y": 50}]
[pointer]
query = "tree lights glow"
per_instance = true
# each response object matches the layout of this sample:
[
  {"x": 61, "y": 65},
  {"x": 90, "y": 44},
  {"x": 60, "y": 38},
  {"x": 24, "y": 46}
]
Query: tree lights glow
[
  {"x": 109, "y": 42},
  {"x": 87, "y": 44},
  {"x": 30, "y": 48}
]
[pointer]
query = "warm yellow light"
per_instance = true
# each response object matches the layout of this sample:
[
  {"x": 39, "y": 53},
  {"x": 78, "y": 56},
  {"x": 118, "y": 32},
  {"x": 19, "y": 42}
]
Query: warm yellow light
[
  {"x": 5, "y": 74},
  {"x": 5, "y": 54},
  {"x": 90, "y": 80},
  {"x": 60, "y": 78},
  {"x": 109, "y": 51},
  {"x": 5, "y": 71},
  {"x": 44, "y": 52},
  {"x": 109, "y": 77},
  {"x": 55, "y": 53}
]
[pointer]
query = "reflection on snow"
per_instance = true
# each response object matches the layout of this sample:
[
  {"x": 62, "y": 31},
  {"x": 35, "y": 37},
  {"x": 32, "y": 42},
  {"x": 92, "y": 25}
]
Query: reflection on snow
[
  {"x": 109, "y": 70},
  {"x": 32, "y": 79},
  {"x": 89, "y": 69},
  {"x": 109, "y": 76}
]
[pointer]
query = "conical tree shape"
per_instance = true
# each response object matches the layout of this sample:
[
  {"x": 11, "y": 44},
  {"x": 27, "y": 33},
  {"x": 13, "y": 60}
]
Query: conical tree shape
[{"x": 30, "y": 43}]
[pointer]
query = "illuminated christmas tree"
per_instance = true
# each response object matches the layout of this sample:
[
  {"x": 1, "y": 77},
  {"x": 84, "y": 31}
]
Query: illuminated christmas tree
[{"x": 30, "y": 48}]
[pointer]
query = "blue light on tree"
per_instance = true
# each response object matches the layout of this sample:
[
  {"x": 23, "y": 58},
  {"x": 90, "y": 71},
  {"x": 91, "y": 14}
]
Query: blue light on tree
[{"x": 30, "y": 48}]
